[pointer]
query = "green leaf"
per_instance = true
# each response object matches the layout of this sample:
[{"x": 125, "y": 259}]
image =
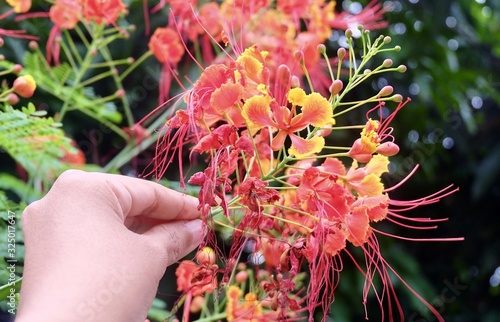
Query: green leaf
[
  {"x": 5, "y": 290},
  {"x": 33, "y": 141},
  {"x": 58, "y": 82}
]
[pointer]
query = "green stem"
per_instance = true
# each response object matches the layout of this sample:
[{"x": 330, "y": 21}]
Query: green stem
[
  {"x": 139, "y": 61},
  {"x": 89, "y": 56}
]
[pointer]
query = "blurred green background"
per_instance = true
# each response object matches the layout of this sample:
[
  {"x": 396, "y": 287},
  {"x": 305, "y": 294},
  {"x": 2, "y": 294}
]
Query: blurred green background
[
  {"x": 451, "y": 128},
  {"x": 452, "y": 50}
]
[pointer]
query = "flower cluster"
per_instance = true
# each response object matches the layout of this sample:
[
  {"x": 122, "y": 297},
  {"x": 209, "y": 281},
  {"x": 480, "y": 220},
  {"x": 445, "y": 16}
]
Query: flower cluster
[{"x": 274, "y": 183}]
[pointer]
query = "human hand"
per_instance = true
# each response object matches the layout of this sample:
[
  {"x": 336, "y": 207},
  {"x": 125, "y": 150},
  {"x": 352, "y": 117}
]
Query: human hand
[{"x": 98, "y": 244}]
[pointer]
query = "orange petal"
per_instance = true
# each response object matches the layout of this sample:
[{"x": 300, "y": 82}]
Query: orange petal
[
  {"x": 334, "y": 242},
  {"x": 257, "y": 112},
  {"x": 225, "y": 97},
  {"x": 358, "y": 226},
  {"x": 316, "y": 111},
  {"x": 302, "y": 148}
]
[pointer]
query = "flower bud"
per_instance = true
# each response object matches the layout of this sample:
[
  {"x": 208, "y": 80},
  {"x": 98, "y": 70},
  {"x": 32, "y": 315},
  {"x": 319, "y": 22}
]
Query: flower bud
[
  {"x": 336, "y": 87},
  {"x": 120, "y": 93},
  {"x": 283, "y": 74},
  {"x": 295, "y": 82},
  {"x": 2, "y": 57},
  {"x": 197, "y": 304},
  {"x": 397, "y": 48},
  {"x": 17, "y": 69},
  {"x": 387, "y": 39},
  {"x": 348, "y": 33},
  {"x": 387, "y": 63},
  {"x": 402, "y": 68},
  {"x": 241, "y": 277},
  {"x": 298, "y": 55},
  {"x": 388, "y": 149},
  {"x": 33, "y": 45},
  {"x": 321, "y": 49},
  {"x": 341, "y": 52},
  {"x": 25, "y": 86},
  {"x": 1, "y": 42},
  {"x": 397, "y": 98},
  {"x": 206, "y": 256},
  {"x": 130, "y": 60},
  {"x": 12, "y": 99},
  {"x": 386, "y": 91}
]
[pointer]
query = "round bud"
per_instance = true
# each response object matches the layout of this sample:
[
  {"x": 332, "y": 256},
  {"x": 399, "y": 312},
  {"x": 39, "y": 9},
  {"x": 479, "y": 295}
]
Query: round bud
[
  {"x": 397, "y": 48},
  {"x": 16, "y": 69},
  {"x": 298, "y": 55},
  {"x": 336, "y": 87},
  {"x": 120, "y": 93},
  {"x": 33, "y": 45},
  {"x": 197, "y": 304},
  {"x": 387, "y": 39},
  {"x": 387, "y": 63},
  {"x": 294, "y": 82},
  {"x": 130, "y": 60},
  {"x": 2, "y": 57},
  {"x": 241, "y": 277},
  {"x": 397, "y": 98},
  {"x": 348, "y": 33},
  {"x": 321, "y": 49},
  {"x": 386, "y": 91},
  {"x": 1, "y": 42},
  {"x": 388, "y": 149},
  {"x": 402, "y": 68},
  {"x": 12, "y": 99},
  {"x": 24, "y": 86},
  {"x": 341, "y": 52},
  {"x": 206, "y": 256}
]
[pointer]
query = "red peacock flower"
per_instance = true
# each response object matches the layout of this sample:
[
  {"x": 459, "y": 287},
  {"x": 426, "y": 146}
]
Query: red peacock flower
[
  {"x": 103, "y": 11},
  {"x": 167, "y": 47},
  {"x": 270, "y": 177},
  {"x": 66, "y": 13}
]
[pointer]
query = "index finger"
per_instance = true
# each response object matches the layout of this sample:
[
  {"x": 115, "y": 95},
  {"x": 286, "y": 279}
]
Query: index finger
[
  {"x": 138, "y": 197},
  {"x": 124, "y": 196}
]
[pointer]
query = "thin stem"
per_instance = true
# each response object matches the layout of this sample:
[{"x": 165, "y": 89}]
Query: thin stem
[{"x": 136, "y": 63}]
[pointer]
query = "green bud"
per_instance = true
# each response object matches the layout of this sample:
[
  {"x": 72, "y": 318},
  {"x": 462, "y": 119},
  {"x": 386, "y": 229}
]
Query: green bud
[
  {"x": 321, "y": 49},
  {"x": 387, "y": 39},
  {"x": 402, "y": 68}
]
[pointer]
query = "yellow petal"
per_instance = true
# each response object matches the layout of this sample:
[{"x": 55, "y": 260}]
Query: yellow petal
[
  {"x": 297, "y": 96},
  {"x": 302, "y": 148}
]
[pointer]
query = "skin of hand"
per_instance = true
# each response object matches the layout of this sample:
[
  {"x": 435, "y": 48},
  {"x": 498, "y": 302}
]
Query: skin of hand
[{"x": 98, "y": 244}]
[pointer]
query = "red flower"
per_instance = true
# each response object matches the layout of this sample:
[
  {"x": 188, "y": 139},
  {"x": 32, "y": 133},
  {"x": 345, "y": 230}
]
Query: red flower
[
  {"x": 195, "y": 279},
  {"x": 66, "y": 13},
  {"x": 253, "y": 192},
  {"x": 103, "y": 10},
  {"x": 166, "y": 45}
]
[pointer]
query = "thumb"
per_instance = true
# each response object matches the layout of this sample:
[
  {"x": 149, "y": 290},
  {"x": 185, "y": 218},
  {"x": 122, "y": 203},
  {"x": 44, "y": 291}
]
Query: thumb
[{"x": 176, "y": 239}]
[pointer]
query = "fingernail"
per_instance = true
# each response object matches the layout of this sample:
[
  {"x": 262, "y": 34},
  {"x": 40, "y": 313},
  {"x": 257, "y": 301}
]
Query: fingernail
[{"x": 196, "y": 228}]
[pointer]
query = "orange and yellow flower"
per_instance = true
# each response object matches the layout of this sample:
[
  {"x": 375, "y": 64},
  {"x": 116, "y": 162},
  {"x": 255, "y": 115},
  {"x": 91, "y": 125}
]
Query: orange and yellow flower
[{"x": 261, "y": 111}]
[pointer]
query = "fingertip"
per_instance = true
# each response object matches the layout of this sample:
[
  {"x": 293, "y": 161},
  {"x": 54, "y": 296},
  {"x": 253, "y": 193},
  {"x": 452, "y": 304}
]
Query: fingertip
[{"x": 174, "y": 240}]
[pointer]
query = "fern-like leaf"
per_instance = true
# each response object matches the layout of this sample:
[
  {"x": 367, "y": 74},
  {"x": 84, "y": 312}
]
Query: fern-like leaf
[{"x": 36, "y": 143}]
